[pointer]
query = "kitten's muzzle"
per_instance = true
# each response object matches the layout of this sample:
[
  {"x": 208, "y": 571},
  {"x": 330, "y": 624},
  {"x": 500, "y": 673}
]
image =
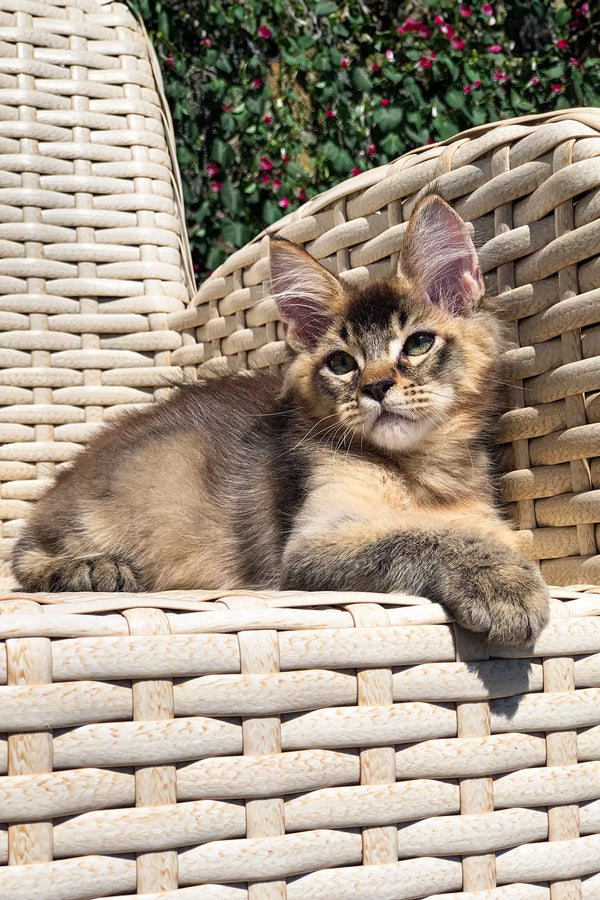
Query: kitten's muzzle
[{"x": 378, "y": 389}]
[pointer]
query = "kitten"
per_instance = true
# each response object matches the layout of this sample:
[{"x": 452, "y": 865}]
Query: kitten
[{"x": 361, "y": 468}]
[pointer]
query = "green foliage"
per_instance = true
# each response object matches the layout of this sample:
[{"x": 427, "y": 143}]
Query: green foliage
[{"x": 275, "y": 101}]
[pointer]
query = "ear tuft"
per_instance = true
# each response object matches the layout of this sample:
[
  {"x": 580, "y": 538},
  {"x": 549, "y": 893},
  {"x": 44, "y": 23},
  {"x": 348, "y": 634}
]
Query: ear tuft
[
  {"x": 438, "y": 256},
  {"x": 304, "y": 291}
]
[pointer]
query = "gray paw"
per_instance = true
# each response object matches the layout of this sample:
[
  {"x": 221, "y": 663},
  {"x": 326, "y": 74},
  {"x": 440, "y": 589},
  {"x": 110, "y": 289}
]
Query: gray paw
[
  {"x": 94, "y": 574},
  {"x": 496, "y": 592}
]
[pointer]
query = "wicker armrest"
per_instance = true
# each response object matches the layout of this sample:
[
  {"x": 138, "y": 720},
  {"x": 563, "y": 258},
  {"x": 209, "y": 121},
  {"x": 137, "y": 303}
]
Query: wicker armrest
[
  {"x": 262, "y": 746},
  {"x": 93, "y": 252}
]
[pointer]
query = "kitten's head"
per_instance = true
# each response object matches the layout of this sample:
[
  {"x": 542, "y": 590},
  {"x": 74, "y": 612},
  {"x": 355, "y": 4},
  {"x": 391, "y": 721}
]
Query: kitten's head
[{"x": 396, "y": 362}]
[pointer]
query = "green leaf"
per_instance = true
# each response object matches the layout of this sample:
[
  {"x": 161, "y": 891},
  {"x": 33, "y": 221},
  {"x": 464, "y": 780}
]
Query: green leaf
[
  {"x": 455, "y": 98},
  {"x": 235, "y": 232},
  {"x": 360, "y": 79},
  {"x": 214, "y": 258},
  {"x": 326, "y": 8},
  {"x": 478, "y": 115},
  {"x": 563, "y": 16},
  {"x": 388, "y": 117},
  {"x": 222, "y": 153},
  {"x": 184, "y": 156},
  {"x": 271, "y": 212},
  {"x": 227, "y": 121},
  {"x": 392, "y": 145},
  {"x": 231, "y": 198},
  {"x": 339, "y": 158}
]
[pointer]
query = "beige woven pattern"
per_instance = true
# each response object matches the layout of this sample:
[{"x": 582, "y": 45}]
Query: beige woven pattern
[
  {"x": 294, "y": 747},
  {"x": 530, "y": 188},
  {"x": 91, "y": 239}
]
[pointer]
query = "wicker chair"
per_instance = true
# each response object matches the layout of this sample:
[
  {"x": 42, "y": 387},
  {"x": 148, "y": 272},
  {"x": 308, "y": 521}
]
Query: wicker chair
[{"x": 262, "y": 745}]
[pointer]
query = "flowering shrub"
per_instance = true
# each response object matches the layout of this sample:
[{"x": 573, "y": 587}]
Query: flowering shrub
[{"x": 275, "y": 101}]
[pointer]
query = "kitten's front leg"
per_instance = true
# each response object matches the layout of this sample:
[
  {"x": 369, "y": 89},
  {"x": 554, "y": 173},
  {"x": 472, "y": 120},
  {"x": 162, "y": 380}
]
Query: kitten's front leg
[{"x": 486, "y": 586}]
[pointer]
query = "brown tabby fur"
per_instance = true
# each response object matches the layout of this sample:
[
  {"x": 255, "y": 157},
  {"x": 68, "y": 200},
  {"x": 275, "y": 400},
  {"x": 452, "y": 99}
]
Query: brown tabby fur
[{"x": 308, "y": 480}]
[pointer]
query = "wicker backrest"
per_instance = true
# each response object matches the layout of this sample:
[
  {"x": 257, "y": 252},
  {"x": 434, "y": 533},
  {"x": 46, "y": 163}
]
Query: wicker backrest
[
  {"x": 93, "y": 254},
  {"x": 530, "y": 189}
]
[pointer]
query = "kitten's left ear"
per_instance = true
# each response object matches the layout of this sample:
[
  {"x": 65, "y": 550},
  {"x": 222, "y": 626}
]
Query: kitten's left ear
[
  {"x": 438, "y": 255},
  {"x": 305, "y": 293}
]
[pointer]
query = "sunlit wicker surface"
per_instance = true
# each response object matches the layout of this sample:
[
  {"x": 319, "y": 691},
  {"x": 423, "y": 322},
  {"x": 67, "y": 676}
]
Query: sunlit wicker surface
[
  {"x": 280, "y": 746},
  {"x": 294, "y": 746},
  {"x": 530, "y": 188},
  {"x": 91, "y": 241}
]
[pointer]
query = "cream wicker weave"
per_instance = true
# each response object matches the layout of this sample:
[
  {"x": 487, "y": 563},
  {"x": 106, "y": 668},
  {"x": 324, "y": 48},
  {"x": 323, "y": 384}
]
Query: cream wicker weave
[{"x": 185, "y": 746}]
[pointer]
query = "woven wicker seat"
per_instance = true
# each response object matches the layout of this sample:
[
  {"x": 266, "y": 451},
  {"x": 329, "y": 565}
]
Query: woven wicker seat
[{"x": 261, "y": 745}]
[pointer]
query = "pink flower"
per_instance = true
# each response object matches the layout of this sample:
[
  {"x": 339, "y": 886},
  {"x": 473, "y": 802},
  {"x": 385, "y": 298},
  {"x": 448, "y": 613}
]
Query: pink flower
[
  {"x": 467, "y": 89},
  {"x": 268, "y": 119},
  {"x": 409, "y": 25},
  {"x": 257, "y": 83},
  {"x": 495, "y": 48},
  {"x": 264, "y": 178},
  {"x": 557, "y": 88},
  {"x": 356, "y": 171},
  {"x": 371, "y": 149},
  {"x": 284, "y": 157},
  {"x": 424, "y": 31},
  {"x": 302, "y": 195},
  {"x": 344, "y": 63},
  {"x": 439, "y": 20},
  {"x": 430, "y": 140},
  {"x": 375, "y": 68},
  {"x": 573, "y": 61},
  {"x": 535, "y": 80},
  {"x": 216, "y": 186},
  {"x": 277, "y": 182},
  {"x": 212, "y": 169},
  {"x": 465, "y": 11},
  {"x": 486, "y": 9},
  {"x": 458, "y": 44},
  {"x": 330, "y": 114},
  {"x": 447, "y": 31},
  {"x": 563, "y": 44},
  {"x": 207, "y": 43},
  {"x": 265, "y": 164},
  {"x": 384, "y": 102},
  {"x": 228, "y": 108},
  {"x": 389, "y": 54},
  {"x": 284, "y": 203},
  {"x": 170, "y": 61},
  {"x": 499, "y": 76},
  {"x": 264, "y": 32},
  {"x": 426, "y": 63},
  {"x": 476, "y": 84}
]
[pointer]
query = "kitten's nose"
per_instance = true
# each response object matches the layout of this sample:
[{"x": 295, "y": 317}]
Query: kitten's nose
[{"x": 378, "y": 389}]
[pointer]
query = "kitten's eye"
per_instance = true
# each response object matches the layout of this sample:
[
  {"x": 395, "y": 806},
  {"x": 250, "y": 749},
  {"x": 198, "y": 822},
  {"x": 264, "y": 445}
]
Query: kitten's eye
[
  {"x": 418, "y": 344},
  {"x": 341, "y": 363}
]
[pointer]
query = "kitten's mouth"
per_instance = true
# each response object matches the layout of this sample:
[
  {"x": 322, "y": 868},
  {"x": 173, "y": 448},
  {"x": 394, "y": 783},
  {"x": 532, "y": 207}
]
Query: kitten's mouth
[{"x": 387, "y": 417}]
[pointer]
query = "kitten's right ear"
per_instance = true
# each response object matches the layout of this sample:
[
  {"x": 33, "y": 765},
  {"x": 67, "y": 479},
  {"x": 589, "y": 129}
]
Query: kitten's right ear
[{"x": 304, "y": 291}]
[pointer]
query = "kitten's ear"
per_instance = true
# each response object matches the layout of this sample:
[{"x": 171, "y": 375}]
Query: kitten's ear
[
  {"x": 439, "y": 256},
  {"x": 305, "y": 293}
]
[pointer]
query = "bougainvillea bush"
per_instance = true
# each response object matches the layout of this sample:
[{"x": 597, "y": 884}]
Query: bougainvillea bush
[{"x": 275, "y": 101}]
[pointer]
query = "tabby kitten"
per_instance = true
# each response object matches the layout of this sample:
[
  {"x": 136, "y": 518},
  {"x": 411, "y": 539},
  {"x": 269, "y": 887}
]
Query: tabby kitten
[{"x": 361, "y": 468}]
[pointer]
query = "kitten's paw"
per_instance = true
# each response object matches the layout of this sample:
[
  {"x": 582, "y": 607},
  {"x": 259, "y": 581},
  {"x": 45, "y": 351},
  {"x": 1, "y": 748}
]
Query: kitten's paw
[
  {"x": 94, "y": 574},
  {"x": 501, "y": 595}
]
